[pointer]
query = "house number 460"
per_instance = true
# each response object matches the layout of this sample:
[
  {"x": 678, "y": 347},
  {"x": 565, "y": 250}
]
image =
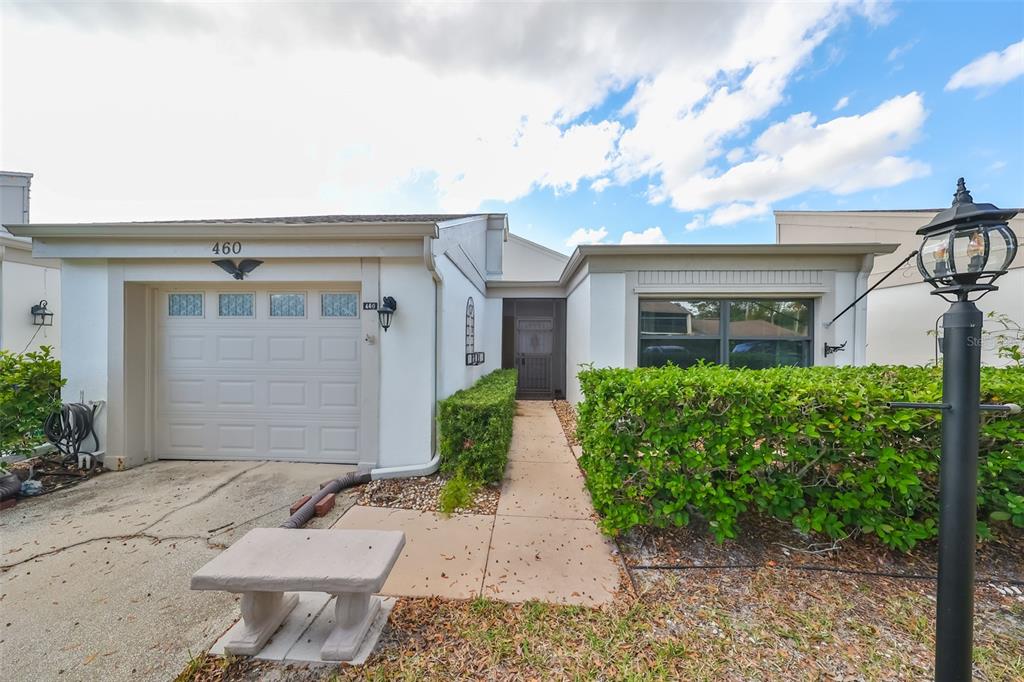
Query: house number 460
[{"x": 227, "y": 248}]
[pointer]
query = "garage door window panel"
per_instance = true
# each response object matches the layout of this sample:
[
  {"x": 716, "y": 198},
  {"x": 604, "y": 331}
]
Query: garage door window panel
[
  {"x": 335, "y": 304},
  {"x": 184, "y": 305},
  {"x": 236, "y": 305},
  {"x": 287, "y": 305}
]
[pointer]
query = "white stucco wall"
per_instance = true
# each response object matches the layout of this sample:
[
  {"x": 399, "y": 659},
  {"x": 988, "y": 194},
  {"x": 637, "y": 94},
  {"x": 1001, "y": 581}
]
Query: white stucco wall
[
  {"x": 901, "y": 317},
  {"x": 455, "y": 290},
  {"x": 84, "y": 321},
  {"x": 526, "y": 261},
  {"x": 407, "y": 365},
  {"x": 22, "y": 286},
  {"x": 577, "y": 339},
  {"x": 608, "y": 319}
]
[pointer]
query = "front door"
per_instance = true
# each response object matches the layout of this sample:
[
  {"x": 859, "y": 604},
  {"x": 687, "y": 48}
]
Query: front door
[{"x": 535, "y": 342}]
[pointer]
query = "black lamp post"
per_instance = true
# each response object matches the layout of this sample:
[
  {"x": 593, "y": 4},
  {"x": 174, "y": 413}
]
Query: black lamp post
[{"x": 966, "y": 247}]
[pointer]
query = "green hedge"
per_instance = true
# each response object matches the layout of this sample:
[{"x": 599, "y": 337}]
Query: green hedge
[
  {"x": 30, "y": 386},
  {"x": 813, "y": 446},
  {"x": 475, "y": 427}
]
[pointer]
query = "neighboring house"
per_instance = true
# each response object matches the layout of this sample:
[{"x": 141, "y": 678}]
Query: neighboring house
[
  {"x": 291, "y": 362},
  {"x": 901, "y": 311},
  {"x": 24, "y": 281}
]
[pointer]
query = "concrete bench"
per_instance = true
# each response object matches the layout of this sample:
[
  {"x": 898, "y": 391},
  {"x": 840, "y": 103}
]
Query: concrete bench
[{"x": 269, "y": 562}]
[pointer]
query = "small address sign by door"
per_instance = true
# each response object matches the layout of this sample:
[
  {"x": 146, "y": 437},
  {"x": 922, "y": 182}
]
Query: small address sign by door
[{"x": 227, "y": 248}]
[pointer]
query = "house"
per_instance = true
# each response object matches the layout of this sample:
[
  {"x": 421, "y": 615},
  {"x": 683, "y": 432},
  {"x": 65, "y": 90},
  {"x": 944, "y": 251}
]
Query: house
[
  {"x": 25, "y": 282},
  {"x": 266, "y": 338},
  {"x": 904, "y": 320}
]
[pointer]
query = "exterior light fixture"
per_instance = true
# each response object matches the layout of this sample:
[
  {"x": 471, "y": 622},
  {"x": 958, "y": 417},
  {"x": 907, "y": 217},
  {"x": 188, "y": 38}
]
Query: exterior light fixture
[
  {"x": 386, "y": 311},
  {"x": 41, "y": 316},
  {"x": 966, "y": 248}
]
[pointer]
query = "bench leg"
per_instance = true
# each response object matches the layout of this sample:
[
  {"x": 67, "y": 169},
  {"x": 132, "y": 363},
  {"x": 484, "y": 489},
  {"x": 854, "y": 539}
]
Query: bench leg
[
  {"x": 353, "y": 614},
  {"x": 262, "y": 615}
]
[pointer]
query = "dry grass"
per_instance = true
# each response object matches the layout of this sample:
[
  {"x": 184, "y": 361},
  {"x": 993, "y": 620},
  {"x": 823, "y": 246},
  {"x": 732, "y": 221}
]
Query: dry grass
[{"x": 763, "y": 624}]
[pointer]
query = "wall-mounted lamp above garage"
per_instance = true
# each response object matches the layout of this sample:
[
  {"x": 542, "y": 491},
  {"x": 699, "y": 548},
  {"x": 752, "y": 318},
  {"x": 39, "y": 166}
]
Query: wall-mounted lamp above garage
[
  {"x": 41, "y": 316},
  {"x": 386, "y": 310}
]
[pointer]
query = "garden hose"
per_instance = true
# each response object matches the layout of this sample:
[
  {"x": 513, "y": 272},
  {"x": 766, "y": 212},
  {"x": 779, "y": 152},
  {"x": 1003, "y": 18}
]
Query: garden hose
[{"x": 69, "y": 427}]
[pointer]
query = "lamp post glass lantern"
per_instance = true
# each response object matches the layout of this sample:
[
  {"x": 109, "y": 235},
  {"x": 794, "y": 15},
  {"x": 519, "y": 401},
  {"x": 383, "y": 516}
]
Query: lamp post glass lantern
[{"x": 965, "y": 249}]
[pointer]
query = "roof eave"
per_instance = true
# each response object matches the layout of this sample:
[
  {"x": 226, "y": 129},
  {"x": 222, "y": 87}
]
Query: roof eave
[
  {"x": 377, "y": 230},
  {"x": 581, "y": 253}
]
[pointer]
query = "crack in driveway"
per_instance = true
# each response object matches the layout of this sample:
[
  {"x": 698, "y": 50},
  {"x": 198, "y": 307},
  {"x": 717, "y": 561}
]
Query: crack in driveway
[{"x": 142, "y": 534}]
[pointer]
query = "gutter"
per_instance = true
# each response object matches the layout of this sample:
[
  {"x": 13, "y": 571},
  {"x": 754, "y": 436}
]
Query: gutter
[{"x": 203, "y": 230}]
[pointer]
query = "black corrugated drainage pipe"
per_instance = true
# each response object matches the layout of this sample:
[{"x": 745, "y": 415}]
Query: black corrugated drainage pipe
[{"x": 305, "y": 512}]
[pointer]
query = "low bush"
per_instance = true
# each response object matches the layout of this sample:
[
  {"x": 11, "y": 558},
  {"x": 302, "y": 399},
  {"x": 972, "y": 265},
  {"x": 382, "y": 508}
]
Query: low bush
[
  {"x": 475, "y": 427},
  {"x": 30, "y": 386},
  {"x": 457, "y": 493},
  {"x": 814, "y": 446}
]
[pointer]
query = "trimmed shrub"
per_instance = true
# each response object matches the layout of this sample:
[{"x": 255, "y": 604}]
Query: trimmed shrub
[
  {"x": 475, "y": 427},
  {"x": 813, "y": 446},
  {"x": 30, "y": 386}
]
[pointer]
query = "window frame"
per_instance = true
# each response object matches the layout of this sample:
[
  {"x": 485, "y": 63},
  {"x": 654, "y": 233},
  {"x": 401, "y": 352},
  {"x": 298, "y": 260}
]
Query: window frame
[
  {"x": 305, "y": 305},
  {"x": 328, "y": 292},
  {"x": 724, "y": 319},
  {"x": 202, "y": 305},
  {"x": 237, "y": 317}
]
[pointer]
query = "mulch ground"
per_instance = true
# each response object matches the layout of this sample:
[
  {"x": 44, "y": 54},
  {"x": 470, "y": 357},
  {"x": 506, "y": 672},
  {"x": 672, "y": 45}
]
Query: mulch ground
[
  {"x": 567, "y": 415},
  {"x": 423, "y": 494},
  {"x": 52, "y": 473}
]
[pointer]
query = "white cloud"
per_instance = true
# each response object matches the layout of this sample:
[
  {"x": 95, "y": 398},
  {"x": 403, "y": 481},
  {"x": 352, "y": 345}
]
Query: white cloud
[
  {"x": 652, "y": 235},
  {"x": 737, "y": 212},
  {"x": 841, "y": 104},
  {"x": 698, "y": 222},
  {"x": 586, "y": 236},
  {"x": 997, "y": 166},
  {"x": 292, "y": 108},
  {"x": 900, "y": 50},
  {"x": 990, "y": 70},
  {"x": 844, "y": 155}
]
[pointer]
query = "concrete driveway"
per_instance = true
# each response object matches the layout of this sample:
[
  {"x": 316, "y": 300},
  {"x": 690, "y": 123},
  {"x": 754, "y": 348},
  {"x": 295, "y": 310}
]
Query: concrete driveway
[{"x": 94, "y": 581}]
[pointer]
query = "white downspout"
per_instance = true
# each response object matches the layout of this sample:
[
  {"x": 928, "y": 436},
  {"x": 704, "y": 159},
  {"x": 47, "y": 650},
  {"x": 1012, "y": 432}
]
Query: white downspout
[{"x": 430, "y": 467}]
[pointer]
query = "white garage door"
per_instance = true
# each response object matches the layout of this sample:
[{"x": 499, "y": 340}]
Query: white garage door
[{"x": 258, "y": 374}]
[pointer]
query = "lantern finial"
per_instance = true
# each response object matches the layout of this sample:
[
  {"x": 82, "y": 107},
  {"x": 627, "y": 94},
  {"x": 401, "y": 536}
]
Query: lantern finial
[{"x": 963, "y": 195}]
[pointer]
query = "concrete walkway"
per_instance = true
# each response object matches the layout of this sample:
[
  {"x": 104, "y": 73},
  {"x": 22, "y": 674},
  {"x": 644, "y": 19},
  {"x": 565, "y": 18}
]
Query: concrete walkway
[{"x": 543, "y": 543}]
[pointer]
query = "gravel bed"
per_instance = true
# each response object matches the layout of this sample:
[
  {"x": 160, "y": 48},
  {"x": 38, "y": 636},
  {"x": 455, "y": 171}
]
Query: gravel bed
[
  {"x": 423, "y": 494},
  {"x": 567, "y": 415}
]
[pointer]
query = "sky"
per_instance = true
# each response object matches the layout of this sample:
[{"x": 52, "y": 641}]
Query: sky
[{"x": 586, "y": 123}]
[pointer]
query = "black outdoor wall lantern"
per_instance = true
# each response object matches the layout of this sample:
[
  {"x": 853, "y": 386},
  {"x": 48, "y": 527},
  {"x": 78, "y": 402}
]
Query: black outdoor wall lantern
[
  {"x": 386, "y": 311},
  {"x": 41, "y": 316},
  {"x": 966, "y": 248}
]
